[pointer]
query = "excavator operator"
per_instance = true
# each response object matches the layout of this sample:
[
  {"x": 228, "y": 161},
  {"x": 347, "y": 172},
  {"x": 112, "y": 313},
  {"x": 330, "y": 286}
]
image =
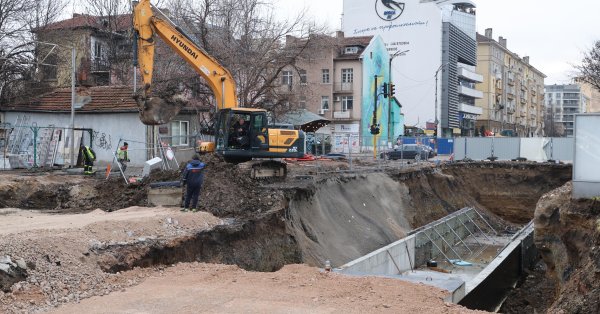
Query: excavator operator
[{"x": 240, "y": 133}]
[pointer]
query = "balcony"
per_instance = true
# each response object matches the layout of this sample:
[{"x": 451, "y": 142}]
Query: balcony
[
  {"x": 343, "y": 87},
  {"x": 100, "y": 65},
  {"x": 466, "y": 108},
  {"x": 469, "y": 75},
  {"x": 342, "y": 115},
  {"x": 470, "y": 92}
]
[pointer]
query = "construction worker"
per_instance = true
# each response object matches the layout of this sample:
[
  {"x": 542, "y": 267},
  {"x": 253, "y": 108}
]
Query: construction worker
[
  {"x": 123, "y": 156},
  {"x": 89, "y": 156},
  {"x": 193, "y": 177}
]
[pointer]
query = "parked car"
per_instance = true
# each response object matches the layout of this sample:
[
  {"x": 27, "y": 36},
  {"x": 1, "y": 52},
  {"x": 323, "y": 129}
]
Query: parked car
[{"x": 410, "y": 151}]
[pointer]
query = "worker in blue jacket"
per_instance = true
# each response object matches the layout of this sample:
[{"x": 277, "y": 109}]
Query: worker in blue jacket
[{"x": 193, "y": 177}]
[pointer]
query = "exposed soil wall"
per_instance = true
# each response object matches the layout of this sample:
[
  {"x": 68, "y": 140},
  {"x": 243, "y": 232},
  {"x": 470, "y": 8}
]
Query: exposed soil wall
[
  {"x": 344, "y": 217},
  {"x": 567, "y": 233},
  {"x": 260, "y": 244}
]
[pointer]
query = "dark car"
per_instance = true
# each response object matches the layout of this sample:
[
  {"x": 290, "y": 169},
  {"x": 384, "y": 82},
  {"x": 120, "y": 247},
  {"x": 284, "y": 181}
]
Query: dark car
[{"x": 410, "y": 151}]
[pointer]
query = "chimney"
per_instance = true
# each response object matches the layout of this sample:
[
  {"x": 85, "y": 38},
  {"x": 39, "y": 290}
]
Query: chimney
[
  {"x": 339, "y": 34},
  {"x": 502, "y": 41},
  {"x": 488, "y": 33},
  {"x": 526, "y": 59}
]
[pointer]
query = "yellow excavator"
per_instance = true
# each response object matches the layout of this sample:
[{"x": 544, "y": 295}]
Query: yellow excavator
[{"x": 256, "y": 139}]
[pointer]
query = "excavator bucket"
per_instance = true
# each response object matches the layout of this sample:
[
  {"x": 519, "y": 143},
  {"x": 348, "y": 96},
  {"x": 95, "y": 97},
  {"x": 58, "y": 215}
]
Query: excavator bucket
[{"x": 156, "y": 110}]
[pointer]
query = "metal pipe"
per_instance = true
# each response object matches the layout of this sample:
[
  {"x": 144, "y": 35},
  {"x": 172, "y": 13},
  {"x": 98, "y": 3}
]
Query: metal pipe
[
  {"x": 459, "y": 238},
  {"x": 448, "y": 244},
  {"x": 471, "y": 233},
  {"x": 72, "y": 107},
  {"x": 496, "y": 232},
  {"x": 431, "y": 240}
]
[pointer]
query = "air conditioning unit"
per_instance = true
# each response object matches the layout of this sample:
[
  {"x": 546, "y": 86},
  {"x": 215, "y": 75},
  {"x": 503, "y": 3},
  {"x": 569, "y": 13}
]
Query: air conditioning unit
[
  {"x": 336, "y": 98},
  {"x": 322, "y": 111}
]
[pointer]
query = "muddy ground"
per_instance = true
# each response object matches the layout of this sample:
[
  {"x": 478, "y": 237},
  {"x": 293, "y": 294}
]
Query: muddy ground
[{"x": 312, "y": 216}]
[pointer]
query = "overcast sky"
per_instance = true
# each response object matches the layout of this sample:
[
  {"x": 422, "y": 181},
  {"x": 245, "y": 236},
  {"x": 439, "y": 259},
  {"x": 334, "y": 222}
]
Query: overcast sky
[{"x": 553, "y": 33}]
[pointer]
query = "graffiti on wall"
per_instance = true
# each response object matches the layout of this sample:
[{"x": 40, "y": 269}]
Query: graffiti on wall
[{"x": 102, "y": 141}]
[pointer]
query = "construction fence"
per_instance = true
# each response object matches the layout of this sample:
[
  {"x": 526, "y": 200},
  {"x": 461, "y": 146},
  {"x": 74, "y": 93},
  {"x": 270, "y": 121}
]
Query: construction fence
[
  {"x": 359, "y": 145},
  {"x": 28, "y": 146},
  {"x": 538, "y": 149}
]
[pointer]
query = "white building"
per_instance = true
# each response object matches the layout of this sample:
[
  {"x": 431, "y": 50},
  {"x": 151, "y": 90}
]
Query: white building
[{"x": 435, "y": 77}]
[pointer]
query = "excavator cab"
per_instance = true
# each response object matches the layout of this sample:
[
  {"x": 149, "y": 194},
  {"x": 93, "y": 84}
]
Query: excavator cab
[{"x": 243, "y": 133}]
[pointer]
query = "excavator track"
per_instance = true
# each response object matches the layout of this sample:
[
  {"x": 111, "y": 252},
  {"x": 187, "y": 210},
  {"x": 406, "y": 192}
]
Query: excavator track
[{"x": 264, "y": 169}]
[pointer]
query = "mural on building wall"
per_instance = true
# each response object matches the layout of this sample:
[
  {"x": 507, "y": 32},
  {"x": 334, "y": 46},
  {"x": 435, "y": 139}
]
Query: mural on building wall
[{"x": 375, "y": 64}]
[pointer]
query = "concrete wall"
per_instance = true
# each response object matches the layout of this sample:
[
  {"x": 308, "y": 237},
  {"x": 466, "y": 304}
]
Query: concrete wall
[
  {"x": 416, "y": 249},
  {"x": 108, "y": 130},
  {"x": 508, "y": 148},
  {"x": 393, "y": 259}
]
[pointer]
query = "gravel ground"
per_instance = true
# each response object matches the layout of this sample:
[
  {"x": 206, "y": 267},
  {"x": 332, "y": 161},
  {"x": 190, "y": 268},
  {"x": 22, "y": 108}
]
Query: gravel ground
[{"x": 208, "y": 288}]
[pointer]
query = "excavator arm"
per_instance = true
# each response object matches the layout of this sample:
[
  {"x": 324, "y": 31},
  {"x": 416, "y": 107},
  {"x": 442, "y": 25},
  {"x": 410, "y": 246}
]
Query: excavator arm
[{"x": 148, "y": 27}]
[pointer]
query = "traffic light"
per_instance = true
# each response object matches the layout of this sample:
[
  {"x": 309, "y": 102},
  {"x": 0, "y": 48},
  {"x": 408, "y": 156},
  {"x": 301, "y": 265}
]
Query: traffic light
[
  {"x": 375, "y": 129},
  {"x": 392, "y": 90},
  {"x": 385, "y": 90}
]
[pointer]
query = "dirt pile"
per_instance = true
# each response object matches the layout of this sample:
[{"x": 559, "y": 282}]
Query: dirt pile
[
  {"x": 228, "y": 191},
  {"x": 567, "y": 233}
]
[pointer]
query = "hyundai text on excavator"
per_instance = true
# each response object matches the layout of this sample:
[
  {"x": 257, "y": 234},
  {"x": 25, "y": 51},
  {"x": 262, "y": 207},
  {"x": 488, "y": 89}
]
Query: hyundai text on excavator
[{"x": 258, "y": 140}]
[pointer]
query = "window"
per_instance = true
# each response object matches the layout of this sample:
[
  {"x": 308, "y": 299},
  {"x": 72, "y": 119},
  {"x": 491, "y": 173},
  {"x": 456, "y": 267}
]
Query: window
[
  {"x": 302, "y": 74},
  {"x": 347, "y": 75},
  {"x": 286, "y": 78},
  {"x": 325, "y": 74},
  {"x": 351, "y": 50},
  {"x": 302, "y": 102},
  {"x": 325, "y": 102},
  {"x": 180, "y": 133},
  {"x": 347, "y": 103}
]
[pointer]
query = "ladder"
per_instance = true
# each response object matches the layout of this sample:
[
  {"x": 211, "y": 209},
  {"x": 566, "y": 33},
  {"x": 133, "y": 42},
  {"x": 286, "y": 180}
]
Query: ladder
[
  {"x": 16, "y": 137},
  {"x": 45, "y": 145}
]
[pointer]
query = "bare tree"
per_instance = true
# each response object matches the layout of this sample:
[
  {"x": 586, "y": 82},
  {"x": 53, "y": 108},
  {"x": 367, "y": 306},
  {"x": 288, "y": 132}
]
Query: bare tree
[
  {"x": 17, "y": 42},
  {"x": 589, "y": 70},
  {"x": 552, "y": 128},
  {"x": 247, "y": 38}
]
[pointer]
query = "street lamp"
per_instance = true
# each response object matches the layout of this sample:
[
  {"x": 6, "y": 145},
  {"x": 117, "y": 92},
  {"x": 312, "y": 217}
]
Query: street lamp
[
  {"x": 73, "y": 54},
  {"x": 436, "y": 97},
  {"x": 396, "y": 54}
]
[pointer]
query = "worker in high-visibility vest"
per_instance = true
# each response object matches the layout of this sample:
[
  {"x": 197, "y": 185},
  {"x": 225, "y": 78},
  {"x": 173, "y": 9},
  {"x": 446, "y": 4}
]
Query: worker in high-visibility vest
[
  {"x": 89, "y": 156},
  {"x": 123, "y": 156}
]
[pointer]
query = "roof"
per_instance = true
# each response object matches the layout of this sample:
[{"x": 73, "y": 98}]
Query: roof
[
  {"x": 307, "y": 121},
  {"x": 103, "y": 99},
  {"x": 123, "y": 22},
  {"x": 357, "y": 41}
]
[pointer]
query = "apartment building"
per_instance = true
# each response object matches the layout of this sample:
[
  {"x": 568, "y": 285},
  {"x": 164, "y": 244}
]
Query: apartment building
[
  {"x": 563, "y": 102},
  {"x": 593, "y": 95},
  {"x": 92, "y": 37},
  {"x": 513, "y": 90},
  {"x": 435, "y": 49},
  {"x": 337, "y": 78}
]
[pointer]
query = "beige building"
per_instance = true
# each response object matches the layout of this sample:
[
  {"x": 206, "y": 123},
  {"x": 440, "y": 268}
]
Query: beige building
[
  {"x": 327, "y": 80},
  {"x": 593, "y": 95},
  {"x": 513, "y": 101}
]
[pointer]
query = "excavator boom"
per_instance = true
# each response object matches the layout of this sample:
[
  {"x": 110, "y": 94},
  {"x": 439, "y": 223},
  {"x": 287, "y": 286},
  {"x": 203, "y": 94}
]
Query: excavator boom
[
  {"x": 147, "y": 26},
  {"x": 241, "y": 134}
]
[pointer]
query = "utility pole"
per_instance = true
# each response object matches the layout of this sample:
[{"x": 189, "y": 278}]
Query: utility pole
[
  {"x": 72, "y": 107},
  {"x": 390, "y": 126},
  {"x": 437, "y": 129}
]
